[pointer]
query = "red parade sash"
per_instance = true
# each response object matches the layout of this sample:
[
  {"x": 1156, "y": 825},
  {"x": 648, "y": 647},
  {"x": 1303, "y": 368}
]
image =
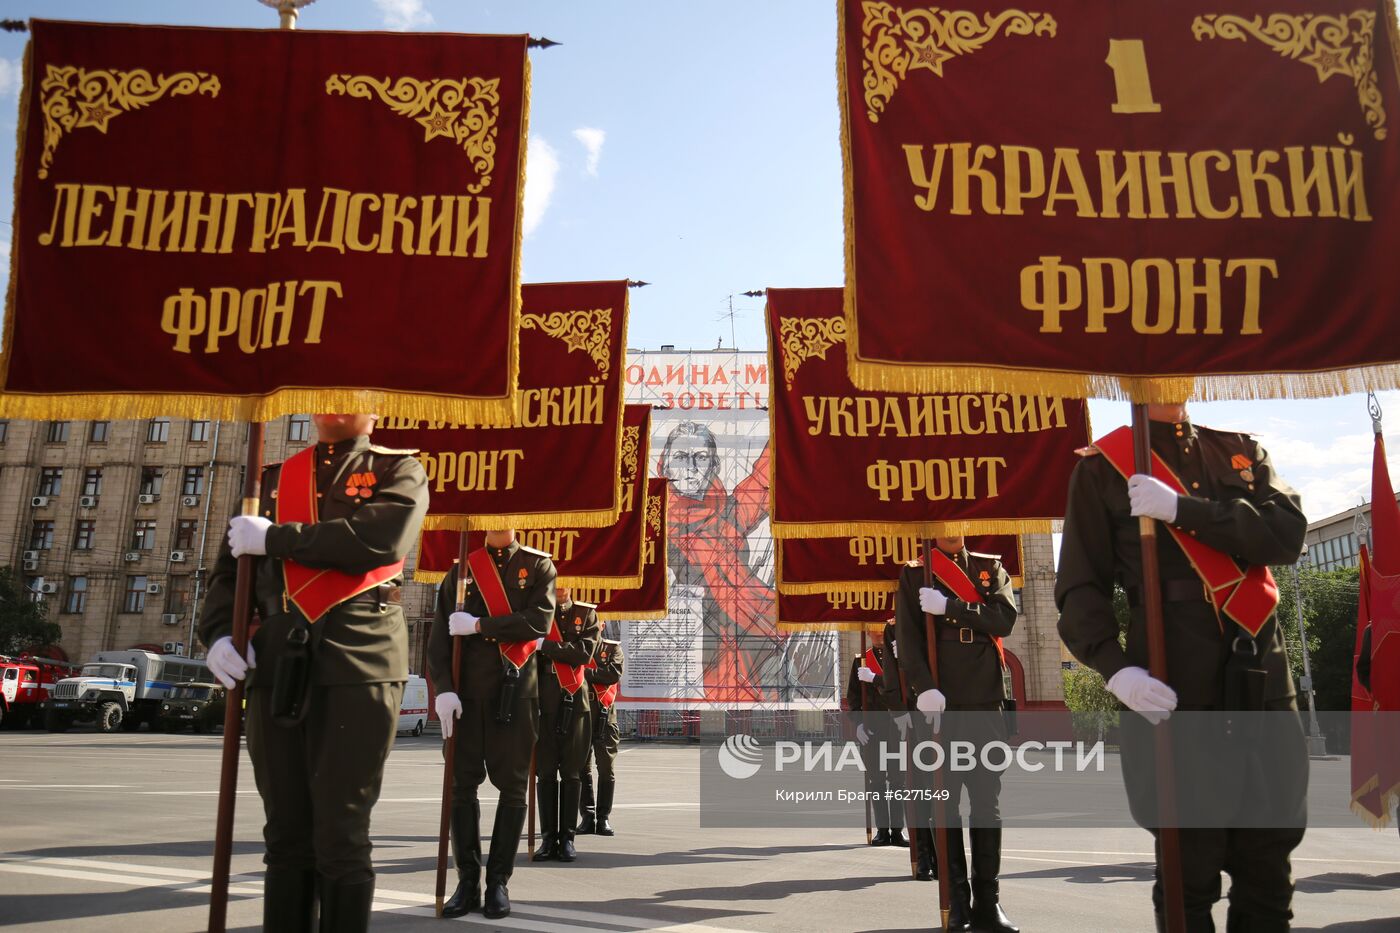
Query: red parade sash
[
  {"x": 607, "y": 693},
  {"x": 570, "y": 677},
  {"x": 316, "y": 592},
  {"x": 873, "y": 662},
  {"x": 493, "y": 592},
  {"x": 947, "y": 572},
  {"x": 1247, "y": 597}
]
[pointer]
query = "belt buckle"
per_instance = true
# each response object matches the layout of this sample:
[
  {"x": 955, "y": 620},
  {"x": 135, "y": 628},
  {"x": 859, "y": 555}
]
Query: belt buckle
[{"x": 965, "y": 635}]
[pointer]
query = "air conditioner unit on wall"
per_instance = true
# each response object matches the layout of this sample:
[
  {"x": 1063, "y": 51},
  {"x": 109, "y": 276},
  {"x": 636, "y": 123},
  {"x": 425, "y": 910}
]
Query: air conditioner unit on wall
[
  {"x": 31, "y": 565},
  {"x": 170, "y": 618},
  {"x": 131, "y": 556},
  {"x": 153, "y": 589},
  {"x": 147, "y": 498},
  {"x": 88, "y": 502},
  {"x": 190, "y": 501},
  {"x": 31, "y": 555},
  {"x": 48, "y": 588},
  {"x": 177, "y": 557},
  {"x": 39, "y": 502}
]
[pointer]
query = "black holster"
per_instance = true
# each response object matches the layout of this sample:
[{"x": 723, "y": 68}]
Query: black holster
[
  {"x": 564, "y": 719},
  {"x": 1008, "y": 712},
  {"x": 291, "y": 678},
  {"x": 1245, "y": 677},
  {"x": 510, "y": 684}
]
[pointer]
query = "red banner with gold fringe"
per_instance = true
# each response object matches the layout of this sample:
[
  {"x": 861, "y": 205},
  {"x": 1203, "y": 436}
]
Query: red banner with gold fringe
[
  {"x": 1089, "y": 191},
  {"x": 610, "y": 557},
  {"x": 242, "y": 224},
  {"x": 848, "y": 462},
  {"x": 557, "y": 464},
  {"x": 650, "y": 600},
  {"x": 871, "y": 563},
  {"x": 835, "y": 610}
]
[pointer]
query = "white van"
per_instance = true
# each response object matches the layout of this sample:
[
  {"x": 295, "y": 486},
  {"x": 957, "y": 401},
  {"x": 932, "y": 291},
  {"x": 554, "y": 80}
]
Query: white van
[{"x": 413, "y": 710}]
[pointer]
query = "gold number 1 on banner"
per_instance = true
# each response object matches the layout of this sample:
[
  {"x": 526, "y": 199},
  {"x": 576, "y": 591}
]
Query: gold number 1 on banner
[{"x": 1129, "y": 63}]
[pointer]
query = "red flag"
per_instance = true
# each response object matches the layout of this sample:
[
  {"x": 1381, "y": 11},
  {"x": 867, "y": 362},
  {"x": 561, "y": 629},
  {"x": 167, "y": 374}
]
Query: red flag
[
  {"x": 1385, "y": 515},
  {"x": 1366, "y": 800}
]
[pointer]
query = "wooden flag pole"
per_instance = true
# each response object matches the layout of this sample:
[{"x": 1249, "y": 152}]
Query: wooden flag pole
[
  {"x": 450, "y": 752},
  {"x": 940, "y": 829},
  {"x": 1168, "y": 836},
  {"x": 233, "y": 710},
  {"x": 864, "y": 706}
]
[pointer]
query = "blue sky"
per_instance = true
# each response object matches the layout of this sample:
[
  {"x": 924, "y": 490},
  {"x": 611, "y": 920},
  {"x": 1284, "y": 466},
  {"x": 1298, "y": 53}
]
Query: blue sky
[{"x": 695, "y": 146}]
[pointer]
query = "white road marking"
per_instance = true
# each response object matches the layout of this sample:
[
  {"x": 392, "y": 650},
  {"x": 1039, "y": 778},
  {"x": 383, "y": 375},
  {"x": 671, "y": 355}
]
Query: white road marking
[{"x": 64, "y": 786}]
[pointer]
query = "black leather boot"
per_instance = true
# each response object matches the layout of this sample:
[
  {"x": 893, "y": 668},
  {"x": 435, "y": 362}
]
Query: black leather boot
[
  {"x": 549, "y": 822},
  {"x": 960, "y": 892},
  {"x": 466, "y": 854},
  {"x": 986, "y": 867},
  {"x": 881, "y": 838},
  {"x": 605, "y": 804},
  {"x": 1238, "y": 920},
  {"x": 897, "y": 838},
  {"x": 926, "y": 868},
  {"x": 568, "y": 810},
  {"x": 585, "y": 810},
  {"x": 500, "y": 861},
  {"x": 289, "y": 900},
  {"x": 345, "y": 906}
]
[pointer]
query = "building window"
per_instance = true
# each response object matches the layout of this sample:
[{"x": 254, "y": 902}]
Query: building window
[
  {"x": 50, "y": 481},
  {"x": 194, "y": 481},
  {"x": 185, "y": 531},
  {"x": 92, "y": 481},
  {"x": 178, "y": 598},
  {"x": 199, "y": 432},
  {"x": 97, "y": 434},
  {"x": 135, "y": 598},
  {"x": 299, "y": 428},
  {"x": 4, "y": 431},
  {"x": 83, "y": 533},
  {"x": 58, "y": 432},
  {"x": 31, "y": 586},
  {"x": 41, "y": 536},
  {"x": 75, "y": 600},
  {"x": 151, "y": 480},
  {"x": 143, "y": 538},
  {"x": 158, "y": 431}
]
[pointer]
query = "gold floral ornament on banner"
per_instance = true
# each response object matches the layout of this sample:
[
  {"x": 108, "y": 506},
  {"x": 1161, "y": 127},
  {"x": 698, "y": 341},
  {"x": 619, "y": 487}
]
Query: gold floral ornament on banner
[
  {"x": 1333, "y": 45},
  {"x": 897, "y": 42},
  {"x": 807, "y": 338},
  {"x": 589, "y": 331},
  {"x": 631, "y": 447},
  {"x": 463, "y": 111},
  {"x": 73, "y": 98},
  {"x": 654, "y": 515}
]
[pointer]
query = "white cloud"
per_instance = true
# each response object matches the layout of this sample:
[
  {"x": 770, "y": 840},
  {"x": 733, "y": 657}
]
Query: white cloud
[
  {"x": 541, "y": 169},
  {"x": 592, "y": 141},
  {"x": 11, "y": 76},
  {"x": 404, "y": 14}
]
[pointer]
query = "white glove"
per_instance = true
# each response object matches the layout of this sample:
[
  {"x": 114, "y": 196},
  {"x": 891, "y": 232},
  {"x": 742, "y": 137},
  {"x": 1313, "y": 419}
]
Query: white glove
[
  {"x": 930, "y": 600},
  {"x": 866, "y": 675},
  {"x": 894, "y": 649},
  {"x": 225, "y": 663},
  {"x": 539, "y": 643},
  {"x": 1143, "y": 693},
  {"x": 448, "y": 707},
  {"x": 931, "y": 701},
  {"x": 247, "y": 534},
  {"x": 1151, "y": 497},
  {"x": 463, "y": 623},
  {"x": 903, "y": 722},
  {"x": 862, "y": 736}
]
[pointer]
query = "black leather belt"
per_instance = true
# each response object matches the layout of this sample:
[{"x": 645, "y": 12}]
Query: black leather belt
[
  {"x": 1173, "y": 591},
  {"x": 961, "y": 633},
  {"x": 383, "y": 596}
]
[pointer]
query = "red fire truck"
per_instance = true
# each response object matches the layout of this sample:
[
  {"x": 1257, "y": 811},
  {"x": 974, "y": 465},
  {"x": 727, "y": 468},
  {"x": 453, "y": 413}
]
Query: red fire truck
[{"x": 25, "y": 683}]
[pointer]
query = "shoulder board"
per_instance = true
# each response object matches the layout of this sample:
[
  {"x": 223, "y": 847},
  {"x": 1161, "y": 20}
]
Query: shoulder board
[
  {"x": 916, "y": 562},
  {"x": 609, "y": 641},
  {"x": 987, "y": 556},
  {"x": 530, "y": 550},
  {"x": 406, "y": 452},
  {"x": 1090, "y": 451},
  {"x": 1246, "y": 434},
  {"x": 272, "y": 466},
  {"x": 579, "y": 602}
]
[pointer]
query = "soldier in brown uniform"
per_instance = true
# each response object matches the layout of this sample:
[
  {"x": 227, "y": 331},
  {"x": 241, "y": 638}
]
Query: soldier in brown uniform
[
  {"x": 866, "y": 693},
  {"x": 498, "y": 708},
  {"x": 565, "y": 722},
  {"x": 1235, "y": 504},
  {"x": 604, "y": 675},
  {"x": 324, "y": 691},
  {"x": 970, "y": 683}
]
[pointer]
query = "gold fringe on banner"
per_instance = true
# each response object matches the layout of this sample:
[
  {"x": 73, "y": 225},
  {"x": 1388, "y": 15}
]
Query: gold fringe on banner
[
  {"x": 601, "y": 518},
  {"x": 599, "y": 583},
  {"x": 1393, "y": 31},
  {"x": 990, "y": 526},
  {"x": 836, "y": 586},
  {"x": 433, "y": 577},
  {"x": 652, "y": 616},
  {"x": 296, "y": 401},
  {"x": 829, "y": 627},
  {"x": 1376, "y": 821}
]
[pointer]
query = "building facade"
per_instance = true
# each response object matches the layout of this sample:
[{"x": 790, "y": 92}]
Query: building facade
[{"x": 1333, "y": 541}]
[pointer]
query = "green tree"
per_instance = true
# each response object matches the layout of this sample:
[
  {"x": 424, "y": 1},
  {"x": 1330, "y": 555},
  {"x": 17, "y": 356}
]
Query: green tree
[
  {"x": 1329, "y": 614},
  {"x": 24, "y": 623},
  {"x": 1095, "y": 709}
]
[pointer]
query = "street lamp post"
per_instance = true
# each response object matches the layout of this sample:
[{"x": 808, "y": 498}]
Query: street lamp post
[{"x": 1317, "y": 742}]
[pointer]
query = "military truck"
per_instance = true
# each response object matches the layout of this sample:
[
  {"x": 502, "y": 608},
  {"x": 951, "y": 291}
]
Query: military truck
[
  {"x": 197, "y": 705},
  {"x": 119, "y": 690}
]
